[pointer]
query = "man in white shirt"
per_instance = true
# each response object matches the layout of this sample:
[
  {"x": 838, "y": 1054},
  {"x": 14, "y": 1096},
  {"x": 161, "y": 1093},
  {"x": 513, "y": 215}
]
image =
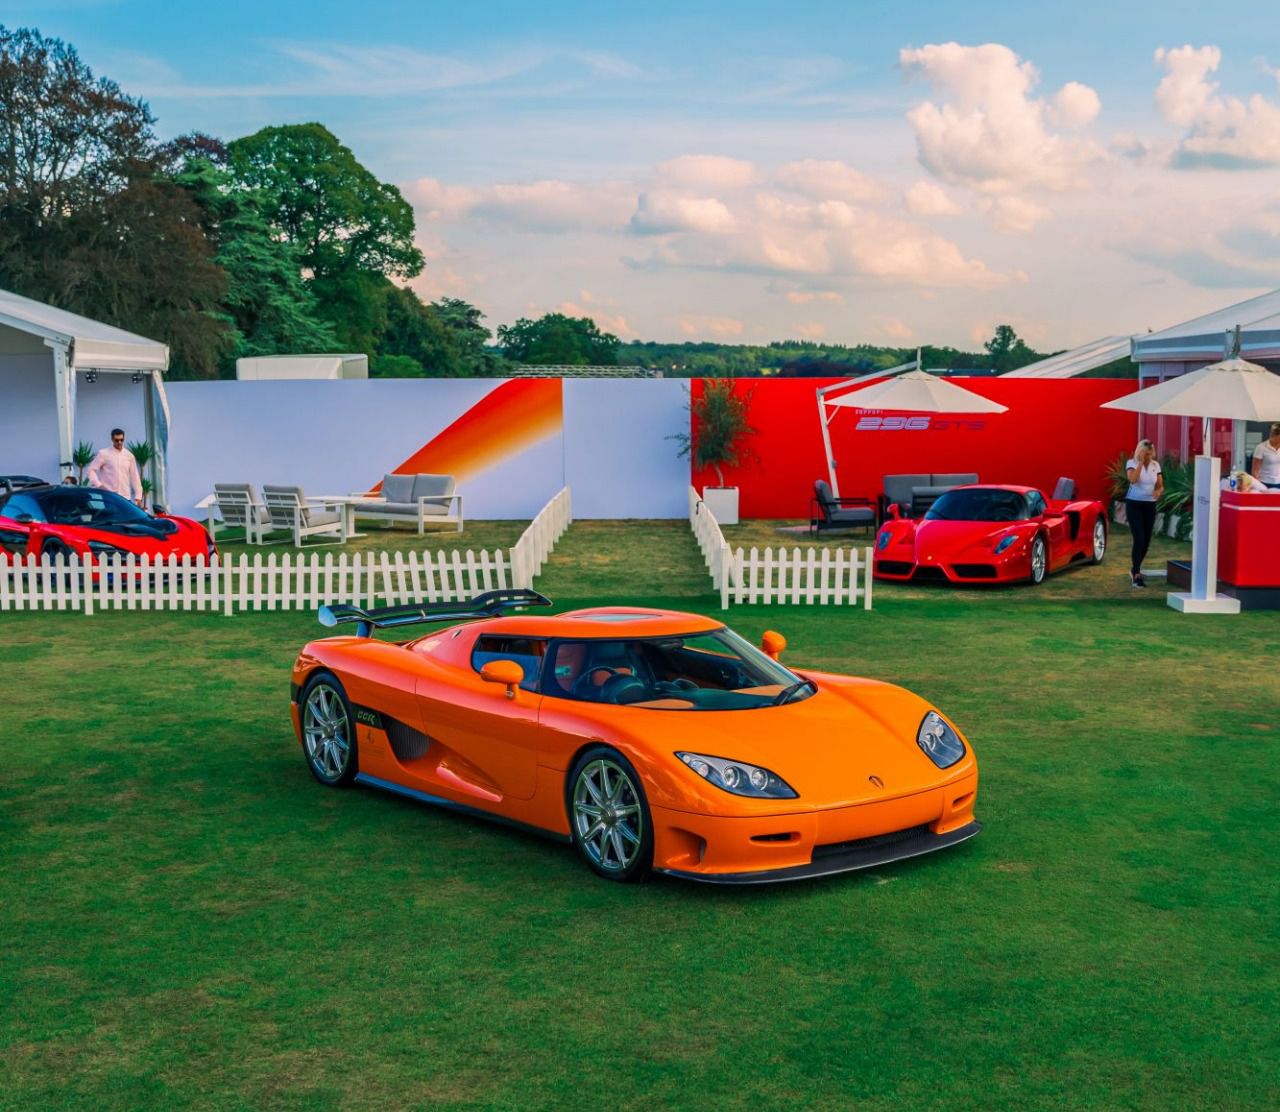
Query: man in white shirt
[
  {"x": 116, "y": 470},
  {"x": 1266, "y": 459}
]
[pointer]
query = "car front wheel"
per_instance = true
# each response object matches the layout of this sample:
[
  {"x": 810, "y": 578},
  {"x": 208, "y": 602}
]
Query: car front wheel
[
  {"x": 609, "y": 816},
  {"x": 328, "y": 731},
  {"x": 1039, "y": 560}
]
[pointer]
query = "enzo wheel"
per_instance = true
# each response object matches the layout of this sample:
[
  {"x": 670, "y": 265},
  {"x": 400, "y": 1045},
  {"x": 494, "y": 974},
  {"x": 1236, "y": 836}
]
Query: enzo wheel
[
  {"x": 609, "y": 816},
  {"x": 328, "y": 731},
  {"x": 1099, "y": 541},
  {"x": 1039, "y": 560}
]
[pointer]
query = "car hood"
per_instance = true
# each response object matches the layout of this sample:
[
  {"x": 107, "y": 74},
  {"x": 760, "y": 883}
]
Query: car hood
[
  {"x": 163, "y": 536},
  {"x": 938, "y": 541},
  {"x": 827, "y": 747}
]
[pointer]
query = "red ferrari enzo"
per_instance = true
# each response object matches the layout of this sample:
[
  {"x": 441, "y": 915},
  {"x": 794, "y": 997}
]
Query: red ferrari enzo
[
  {"x": 991, "y": 534},
  {"x": 52, "y": 520}
]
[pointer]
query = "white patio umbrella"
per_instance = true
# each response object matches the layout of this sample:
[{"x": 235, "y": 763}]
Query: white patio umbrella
[
  {"x": 914, "y": 391},
  {"x": 1234, "y": 389}
]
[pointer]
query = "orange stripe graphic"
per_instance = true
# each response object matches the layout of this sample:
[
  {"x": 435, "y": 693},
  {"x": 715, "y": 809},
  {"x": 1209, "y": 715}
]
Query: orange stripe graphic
[{"x": 506, "y": 421}]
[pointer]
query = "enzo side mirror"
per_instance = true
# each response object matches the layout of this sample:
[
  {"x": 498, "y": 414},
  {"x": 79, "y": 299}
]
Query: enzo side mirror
[
  {"x": 892, "y": 512},
  {"x": 506, "y": 672},
  {"x": 772, "y": 644},
  {"x": 24, "y": 519}
]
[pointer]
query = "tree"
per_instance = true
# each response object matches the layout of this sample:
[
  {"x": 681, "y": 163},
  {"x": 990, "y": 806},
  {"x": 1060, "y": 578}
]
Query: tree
[
  {"x": 337, "y": 215},
  {"x": 87, "y": 221},
  {"x": 558, "y": 339},
  {"x": 267, "y": 301},
  {"x": 464, "y": 322},
  {"x": 1007, "y": 350},
  {"x": 720, "y": 423}
]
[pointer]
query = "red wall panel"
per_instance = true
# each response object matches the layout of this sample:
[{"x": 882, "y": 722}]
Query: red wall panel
[{"x": 1053, "y": 427}]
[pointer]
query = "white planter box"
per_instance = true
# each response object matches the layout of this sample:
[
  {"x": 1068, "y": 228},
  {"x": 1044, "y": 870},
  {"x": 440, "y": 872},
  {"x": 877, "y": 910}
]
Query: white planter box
[{"x": 723, "y": 503}]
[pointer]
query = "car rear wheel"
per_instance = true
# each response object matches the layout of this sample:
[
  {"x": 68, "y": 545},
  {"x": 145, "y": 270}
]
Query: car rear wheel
[
  {"x": 1039, "y": 560},
  {"x": 1099, "y": 541},
  {"x": 328, "y": 731},
  {"x": 609, "y": 816}
]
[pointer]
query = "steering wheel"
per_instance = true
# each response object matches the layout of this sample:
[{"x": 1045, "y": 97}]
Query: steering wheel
[
  {"x": 678, "y": 684},
  {"x": 585, "y": 687},
  {"x": 623, "y": 688}
]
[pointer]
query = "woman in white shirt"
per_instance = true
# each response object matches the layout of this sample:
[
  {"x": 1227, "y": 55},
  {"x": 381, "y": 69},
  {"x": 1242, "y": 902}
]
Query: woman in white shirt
[
  {"x": 1266, "y": 459},
  {"x": 1146, "y": 484}
]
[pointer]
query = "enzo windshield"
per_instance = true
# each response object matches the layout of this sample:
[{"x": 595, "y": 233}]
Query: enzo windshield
[
  {"x": 701, "y": 671},
  {"x": 979, "y": 505},
  {"x": 86, "y": 506}
]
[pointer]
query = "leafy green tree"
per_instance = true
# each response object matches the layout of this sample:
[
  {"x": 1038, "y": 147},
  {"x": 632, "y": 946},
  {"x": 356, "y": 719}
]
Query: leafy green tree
[
  {"x": 465, "y": 323},
  {"x": 88, "y": 222},
  {"x": 558, "y": 339},
  {"x": 319, "y": 197},
  {"x": 267, "y": 301},
  {"x": 1007, "y": 350}
]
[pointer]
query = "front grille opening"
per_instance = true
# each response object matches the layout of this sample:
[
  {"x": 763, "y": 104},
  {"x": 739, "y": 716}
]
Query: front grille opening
[
  {"x": 962, "y": 801},
  {"x": 930, "y": 575},
  {"x": 975, "y": 571},
  {"x": 791, "y": 836},
  {"x": 893, "y": 567},
  {"x": 875, "y": 842},
  {"x": 407, "y": 743}
]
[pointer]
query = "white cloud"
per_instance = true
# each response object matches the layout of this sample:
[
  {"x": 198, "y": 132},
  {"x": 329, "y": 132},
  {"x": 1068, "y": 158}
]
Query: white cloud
[
  {"x": 706, "y": 171},
  {"x": 661, "y": 212},
  {"x": 1014, "y": 214},
  {"x": 607, "y": 322},
  {"x": 895, "y": 329},
  {"x": 1222, "y": 132},
  {"x": 829, "y": 180},
  {"x": 989, "y": 132},
  {"x": 540, "y": 206},
  {"x": 720, "y": 327},
  {"x": 435, "y": 200},
  {"x": 805, "y": 297},
  {"x": 810, "y": 330},
  {"x": 926, "y": 198}
]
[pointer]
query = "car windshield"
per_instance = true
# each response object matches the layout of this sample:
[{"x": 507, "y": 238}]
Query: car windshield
[
  {"x": 700, "y": 671},
  {"x": 979, "y": 504},
  {"x": 87, "y": 506}
]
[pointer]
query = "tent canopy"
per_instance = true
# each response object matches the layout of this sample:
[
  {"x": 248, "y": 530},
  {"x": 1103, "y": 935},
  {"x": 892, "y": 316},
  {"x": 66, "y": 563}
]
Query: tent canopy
[
  {"x": 90, "y": 344},
  {"x": 1068, "y": 364},
  {"x": 1202, "y": 338}
]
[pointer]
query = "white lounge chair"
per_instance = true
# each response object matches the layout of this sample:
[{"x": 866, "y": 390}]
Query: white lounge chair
[
  {"x": 240, "y": 508},
  {"x": 290, "y": 509},
  {"x": 424, "y": 499}
]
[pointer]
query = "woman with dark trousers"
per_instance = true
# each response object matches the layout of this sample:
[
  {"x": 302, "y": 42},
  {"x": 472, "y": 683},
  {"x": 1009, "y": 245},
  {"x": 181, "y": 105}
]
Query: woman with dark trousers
[{"x": 1146, "y": 484}]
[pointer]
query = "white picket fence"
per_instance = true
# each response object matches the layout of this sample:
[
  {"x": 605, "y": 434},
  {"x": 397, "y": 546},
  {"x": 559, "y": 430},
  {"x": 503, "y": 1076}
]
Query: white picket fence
[
  {"x": 537, "y": 541},
  {"x": 236, "y": 584},
  {"x": 823, "y": 577}
]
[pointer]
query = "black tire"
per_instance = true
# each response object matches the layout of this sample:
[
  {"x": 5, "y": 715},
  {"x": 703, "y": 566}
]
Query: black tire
[
  {"x": 1095, "y": 556},
  {"x": 616, "y": 841},
  {"x": 53, "y": 548},
  {"x": 328, "y": 731},
  {"x": 1039, "y": 558}
]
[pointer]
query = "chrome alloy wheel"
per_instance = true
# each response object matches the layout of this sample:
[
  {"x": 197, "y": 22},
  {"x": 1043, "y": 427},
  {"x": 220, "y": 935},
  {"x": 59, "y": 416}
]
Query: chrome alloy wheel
[
  {"x": 1039, "y": 560},
  {"x": 607, "y": 816},
  {"x": 326, "y": 732},
  {"x": 1099, "y": 541}
]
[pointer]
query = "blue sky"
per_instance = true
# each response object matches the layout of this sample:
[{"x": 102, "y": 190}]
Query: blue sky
[{"x": 871, "y": 171}]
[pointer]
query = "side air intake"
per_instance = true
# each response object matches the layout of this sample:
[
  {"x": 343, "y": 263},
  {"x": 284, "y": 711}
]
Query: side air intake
[{"x": 407, "y": 743}]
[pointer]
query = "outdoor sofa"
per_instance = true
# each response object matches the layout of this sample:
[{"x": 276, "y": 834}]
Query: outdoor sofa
[
  {"x": 914, "y": 494},
  {"x": 414, "y": 499},
  {"x": 289, "y": 508}
]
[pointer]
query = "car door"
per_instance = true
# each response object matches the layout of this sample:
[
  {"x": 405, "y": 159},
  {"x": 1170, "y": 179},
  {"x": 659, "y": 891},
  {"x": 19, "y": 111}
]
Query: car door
[
  {"x": 490, "y": 742},
  {"x": 16, "y": 515},
  {"x": 1056, "y": 525}
]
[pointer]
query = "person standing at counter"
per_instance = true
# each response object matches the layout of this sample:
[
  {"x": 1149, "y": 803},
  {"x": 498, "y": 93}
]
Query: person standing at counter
[
  {"x": 1266, "y": 459},
  {"x": 1146, "y": 484}
]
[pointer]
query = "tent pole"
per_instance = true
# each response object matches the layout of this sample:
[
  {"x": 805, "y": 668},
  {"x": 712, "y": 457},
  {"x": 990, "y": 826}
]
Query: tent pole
[
  {"x": 64, "y": 384},
  {"x": 826, "y": 442}
]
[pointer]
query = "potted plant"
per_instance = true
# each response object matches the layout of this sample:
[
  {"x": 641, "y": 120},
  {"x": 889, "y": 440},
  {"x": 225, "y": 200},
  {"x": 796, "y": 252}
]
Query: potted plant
[
  {"x": 81, "y": 458},
  {"x": 719, "y": 426},
  {"x": 1118, "y": 481},
  {"x": 1179, "y": 488}
]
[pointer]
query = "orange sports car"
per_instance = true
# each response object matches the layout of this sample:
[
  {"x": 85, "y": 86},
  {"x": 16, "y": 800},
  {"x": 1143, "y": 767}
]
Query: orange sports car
[{"x": 649, "y": 739}]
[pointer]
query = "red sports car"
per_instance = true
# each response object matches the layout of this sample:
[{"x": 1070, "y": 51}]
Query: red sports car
[
  {"x": 65, "y": 520},
  {"x": 991, "y": 534}
]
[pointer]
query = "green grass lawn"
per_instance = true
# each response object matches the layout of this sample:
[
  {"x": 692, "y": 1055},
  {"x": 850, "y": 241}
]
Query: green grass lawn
[
  {"x": 189, "y": 920},
  {"x": 477, "y": 535}
]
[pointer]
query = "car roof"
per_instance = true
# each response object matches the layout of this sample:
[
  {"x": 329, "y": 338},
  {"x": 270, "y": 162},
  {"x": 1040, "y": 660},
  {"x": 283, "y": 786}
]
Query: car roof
[{"x": 609, "y": 623}]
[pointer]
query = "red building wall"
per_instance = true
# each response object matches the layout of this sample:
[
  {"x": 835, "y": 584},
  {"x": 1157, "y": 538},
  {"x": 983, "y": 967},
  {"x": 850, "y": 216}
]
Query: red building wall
[{"x": 1053, "y": 427}]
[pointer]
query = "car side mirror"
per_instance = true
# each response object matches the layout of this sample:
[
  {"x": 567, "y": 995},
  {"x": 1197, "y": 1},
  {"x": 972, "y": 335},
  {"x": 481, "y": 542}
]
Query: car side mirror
[
  {"x": 772, "y": 644},
  {"x": 24, "y": 519},
  {"x": 892, "y": 511},
  {"x": 506, "y": 672}
]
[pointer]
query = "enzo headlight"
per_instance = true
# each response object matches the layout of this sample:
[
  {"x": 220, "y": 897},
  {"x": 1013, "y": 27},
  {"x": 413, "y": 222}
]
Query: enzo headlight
[
  {"x": 882, "y": 541},
  {"x": 941, "y": 744},
  {"x": 739, "y": 778},
  {"x": 1005, "y": 542}
]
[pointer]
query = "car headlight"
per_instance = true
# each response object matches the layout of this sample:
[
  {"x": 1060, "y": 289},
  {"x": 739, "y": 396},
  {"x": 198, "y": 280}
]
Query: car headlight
[
  {"x": 882, "y": 541},
  {"x": 738, "y": 777},
  {"x": 941, "y": 744},
  {"x": 1005, "y": 542}
]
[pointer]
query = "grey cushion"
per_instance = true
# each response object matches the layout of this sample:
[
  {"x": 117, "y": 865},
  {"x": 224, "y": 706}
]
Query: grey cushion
[
  {"x": 397, "y": 488},
  {"x": 897, "y": 488},
  {"x": 406, "y": 509},
  {"x": 1065, "y": 490},
  {"x": 959, "y": 479},
  {"x": 822, "y": 491},
  {"x": 431, "y": 484},
  {"x": 859, "y": 515},
  {"x": 320, "y": 517}
]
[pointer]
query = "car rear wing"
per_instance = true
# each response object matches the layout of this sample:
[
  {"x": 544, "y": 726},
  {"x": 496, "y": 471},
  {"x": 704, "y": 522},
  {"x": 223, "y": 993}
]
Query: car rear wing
[{"x": 491, "y": 604}]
